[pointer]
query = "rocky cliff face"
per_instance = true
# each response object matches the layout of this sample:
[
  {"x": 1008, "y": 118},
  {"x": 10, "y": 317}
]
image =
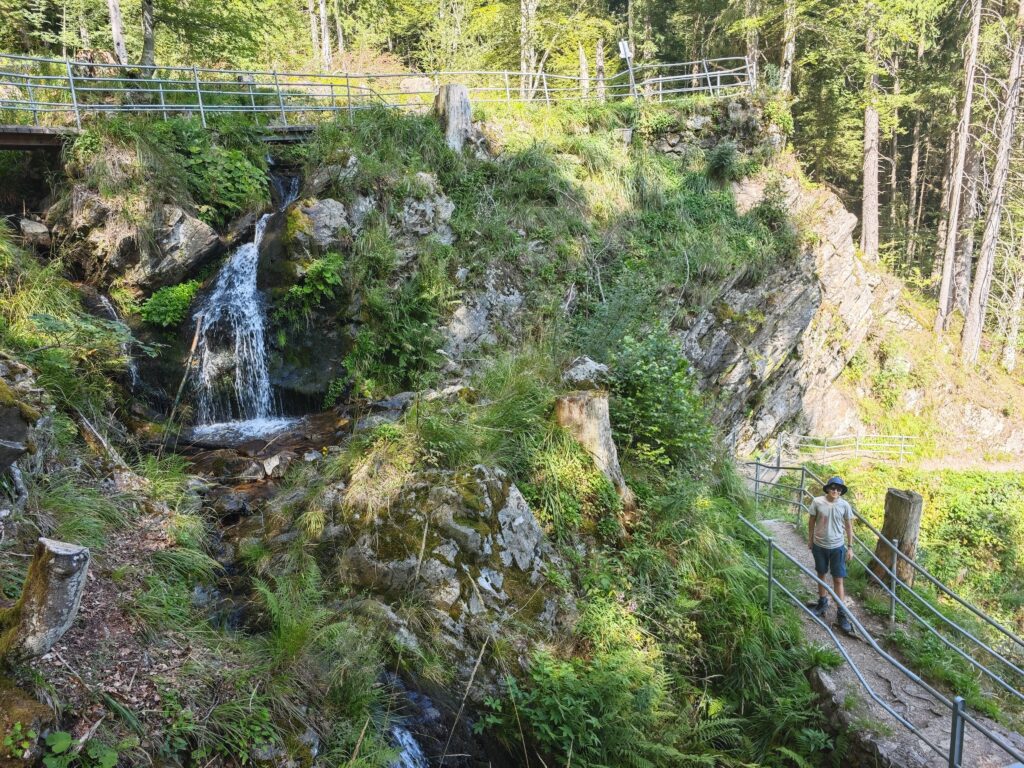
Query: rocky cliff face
[{"x": 770, "y": 352}]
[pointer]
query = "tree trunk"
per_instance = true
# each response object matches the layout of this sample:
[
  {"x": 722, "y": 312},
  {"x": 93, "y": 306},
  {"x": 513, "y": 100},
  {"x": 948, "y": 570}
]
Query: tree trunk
[
  {"x": 599, "y": 69},
  {"x": 585, "y": 416},
  {"x": 895, "y": 154},
  {"x": 903, "y": 523},
  {"x": 788, "y": 47},
  {"x": 964, "y": 263},
  {"x": 919, "y": 192},
  {"x": 527, "y": 51},
  {"x": 584, "y": 74},
  {"x": 975, "y": 322},
  {"x": 869, "y": 203},
  {"x": 117, "y": 31},
  {"x": 49, "y": 600},
  {"x": 314, "y": 32},
  {"x": 338, "y": 30},
  {"x": 750, "y": 10},
  {"x": 915, "y": 157},
  {"x": 148, "y": 38},
  {"x": 942, "y": 228},
  {"x": 1013, "y": 326},
  {"x": 325, "y": 35},
  {"x": 957, "y": 180}
]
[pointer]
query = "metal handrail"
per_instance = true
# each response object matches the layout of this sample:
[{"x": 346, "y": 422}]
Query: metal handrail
[
  {"x": 66, "y": 88},
  {"x": 956, "y": 705},
  {"x": 893, "y": 547},
  {"x": 1009, "y": 634}
]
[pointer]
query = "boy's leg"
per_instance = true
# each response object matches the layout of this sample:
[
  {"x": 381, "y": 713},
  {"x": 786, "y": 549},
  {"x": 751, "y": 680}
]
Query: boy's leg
[{"x": 821, "y": 568}]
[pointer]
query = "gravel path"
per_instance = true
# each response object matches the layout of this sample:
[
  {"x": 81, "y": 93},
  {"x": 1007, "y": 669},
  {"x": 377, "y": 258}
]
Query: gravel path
[{"x": 912, "y": 701}]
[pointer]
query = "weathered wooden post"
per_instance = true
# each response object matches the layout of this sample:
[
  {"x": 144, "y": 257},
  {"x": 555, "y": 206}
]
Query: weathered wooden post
[
  {"x": 49, "y": 600},
  {"x": 452, "y": 107},
  {"x": 902, "y": 524}
]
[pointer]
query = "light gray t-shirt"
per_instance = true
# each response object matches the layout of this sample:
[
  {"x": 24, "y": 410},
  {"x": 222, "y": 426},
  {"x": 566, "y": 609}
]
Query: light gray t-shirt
[{"x": 830, "y": 521}]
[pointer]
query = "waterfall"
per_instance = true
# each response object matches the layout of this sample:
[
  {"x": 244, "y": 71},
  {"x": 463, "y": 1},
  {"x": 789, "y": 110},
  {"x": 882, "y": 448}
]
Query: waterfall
[
  {"x": 230, "y": 340},
  {"x": 125, "y": 347},
  {"x": 410, "y": 753}
]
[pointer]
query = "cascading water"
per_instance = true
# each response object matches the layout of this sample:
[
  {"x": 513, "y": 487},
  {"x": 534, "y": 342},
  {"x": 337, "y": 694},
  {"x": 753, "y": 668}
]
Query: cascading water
[
  {"x": 410, "y": 753},
  {"x": 231, "y": 379},
  {"x": 133, "y": 369}
]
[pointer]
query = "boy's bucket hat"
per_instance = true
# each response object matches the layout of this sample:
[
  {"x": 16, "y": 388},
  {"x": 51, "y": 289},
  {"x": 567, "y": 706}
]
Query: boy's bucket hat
[{"x": 837, "y": 481}]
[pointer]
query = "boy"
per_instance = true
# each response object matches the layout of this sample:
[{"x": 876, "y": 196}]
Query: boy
[{"x": 829, "y": 527}]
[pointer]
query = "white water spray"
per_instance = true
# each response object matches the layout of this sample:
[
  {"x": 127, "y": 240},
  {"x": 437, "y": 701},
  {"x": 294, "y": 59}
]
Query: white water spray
[{"x": 133, "y": 369}]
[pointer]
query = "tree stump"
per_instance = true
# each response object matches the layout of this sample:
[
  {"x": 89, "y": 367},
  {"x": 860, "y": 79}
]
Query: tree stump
[
  {"x": 903, "y": 523},
  {"x": 585, "y": 416},
  {"x": 49, "y": 600},
  {"x": 452, "y": 107}
]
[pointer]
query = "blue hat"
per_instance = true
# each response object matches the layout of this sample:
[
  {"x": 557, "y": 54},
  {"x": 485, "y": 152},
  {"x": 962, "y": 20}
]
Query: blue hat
[{"x": 837, "y": 480}]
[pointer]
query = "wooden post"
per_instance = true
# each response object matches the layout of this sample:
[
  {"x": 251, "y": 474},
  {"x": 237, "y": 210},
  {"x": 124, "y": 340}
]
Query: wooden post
[
  {"x": 452, "y": 108},
  {"x": 902, "y": 524}
]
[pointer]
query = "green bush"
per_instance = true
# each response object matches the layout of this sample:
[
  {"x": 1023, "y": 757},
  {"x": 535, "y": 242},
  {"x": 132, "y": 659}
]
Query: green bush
[
  {"x": 725, "y": 163},
  {"x": 657, "y": 414},
  {"x": 168, "y": 306}
]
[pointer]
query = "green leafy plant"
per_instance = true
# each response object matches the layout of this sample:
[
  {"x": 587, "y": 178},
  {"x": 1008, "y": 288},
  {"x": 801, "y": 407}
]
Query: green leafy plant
[
  {"x": 168, "y": 306},
  {"x": 18, "y": 739}
]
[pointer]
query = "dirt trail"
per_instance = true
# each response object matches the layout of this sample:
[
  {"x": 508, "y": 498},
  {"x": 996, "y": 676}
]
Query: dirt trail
[{"x": 909, "y": 699}]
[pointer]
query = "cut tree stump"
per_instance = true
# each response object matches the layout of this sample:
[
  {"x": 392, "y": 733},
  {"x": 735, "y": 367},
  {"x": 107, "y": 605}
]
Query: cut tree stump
[
  {"x": 585, "y": 416},
  {"x": 902, "y": 523},
  {"x": 452, "y": 107},
  {"x": 49, "y": 600}
]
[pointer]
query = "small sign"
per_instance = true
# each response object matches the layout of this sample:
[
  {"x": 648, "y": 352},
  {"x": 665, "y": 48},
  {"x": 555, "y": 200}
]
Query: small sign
[{"x": 624, "y": 51}]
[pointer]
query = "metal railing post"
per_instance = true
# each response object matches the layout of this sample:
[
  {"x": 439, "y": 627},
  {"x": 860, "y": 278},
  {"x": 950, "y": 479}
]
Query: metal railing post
[
  {"x": 771, "y": 576},
  {"x": 956, "y": 734},
  {"x": 280, "y": 99},
  {"x": 757, "y": 484},
  {"x": 508, "y": 88},
  {"x": 252, "y": 97},
  {"x": 74, "y": 95},
  {"x": 333, "y": 106},
  {"x": 163, "y": 104},
  {"x": 199, "y": 95},
  {"x": 547, "y": 94},
  {"x": 32, "y": 100},
  {"x": 348, "y": 97},
  {"x": 892, "y": 580}
]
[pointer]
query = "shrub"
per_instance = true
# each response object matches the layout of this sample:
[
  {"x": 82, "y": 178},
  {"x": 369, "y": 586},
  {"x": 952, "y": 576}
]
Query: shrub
[
  {"x": 725, "y": 163},
  {"x": 657, "y": 415},
  {"x": 168, "y": 306}
]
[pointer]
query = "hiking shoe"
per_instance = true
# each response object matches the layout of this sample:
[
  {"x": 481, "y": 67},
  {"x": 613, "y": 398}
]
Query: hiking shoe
[
  {"x": 819, "y": 609},
  {"x": 844, "y": 622}
]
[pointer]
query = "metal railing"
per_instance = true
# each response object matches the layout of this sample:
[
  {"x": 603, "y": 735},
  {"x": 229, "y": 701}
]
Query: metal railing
[
  {"x": 60, "y": 92},
  {"x": 959, "y": 717},
  {"x": 964, "y": 643},
  {"x": 898, "y": 446}
]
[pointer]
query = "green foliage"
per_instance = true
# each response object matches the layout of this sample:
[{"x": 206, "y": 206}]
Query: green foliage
[
  {"x": 95, "y": 754},
  {"x": 658, "y": 416},
  {"x": 17, "y": 740},
  {"x": 725, "y": 163},
  {"x": 168, "y": 307},
  {"x": 320, "y": 284}
]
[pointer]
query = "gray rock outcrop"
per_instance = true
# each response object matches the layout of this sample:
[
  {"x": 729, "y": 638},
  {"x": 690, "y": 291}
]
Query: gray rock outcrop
[
  {"x": 183, "y": 244},
  {"x": 770, "y": 351},
  {"x": 325, "y": 223}
]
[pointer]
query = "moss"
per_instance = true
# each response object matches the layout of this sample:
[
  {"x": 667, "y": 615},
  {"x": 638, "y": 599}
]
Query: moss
[
  {"x": 8, "y": 400},
  {"x": 296, "y": 223},
  {"x": 18, "y": 707}
]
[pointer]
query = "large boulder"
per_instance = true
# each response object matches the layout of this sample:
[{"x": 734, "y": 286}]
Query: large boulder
[
  {"x": 322, "y": 226},
  {"x": 183, "y": 244},
  {"x": 468, "y": 541}
]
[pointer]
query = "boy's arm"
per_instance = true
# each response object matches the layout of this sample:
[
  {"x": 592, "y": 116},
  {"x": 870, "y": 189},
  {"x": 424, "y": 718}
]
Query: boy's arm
[{"x": 811, "y": 512}]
